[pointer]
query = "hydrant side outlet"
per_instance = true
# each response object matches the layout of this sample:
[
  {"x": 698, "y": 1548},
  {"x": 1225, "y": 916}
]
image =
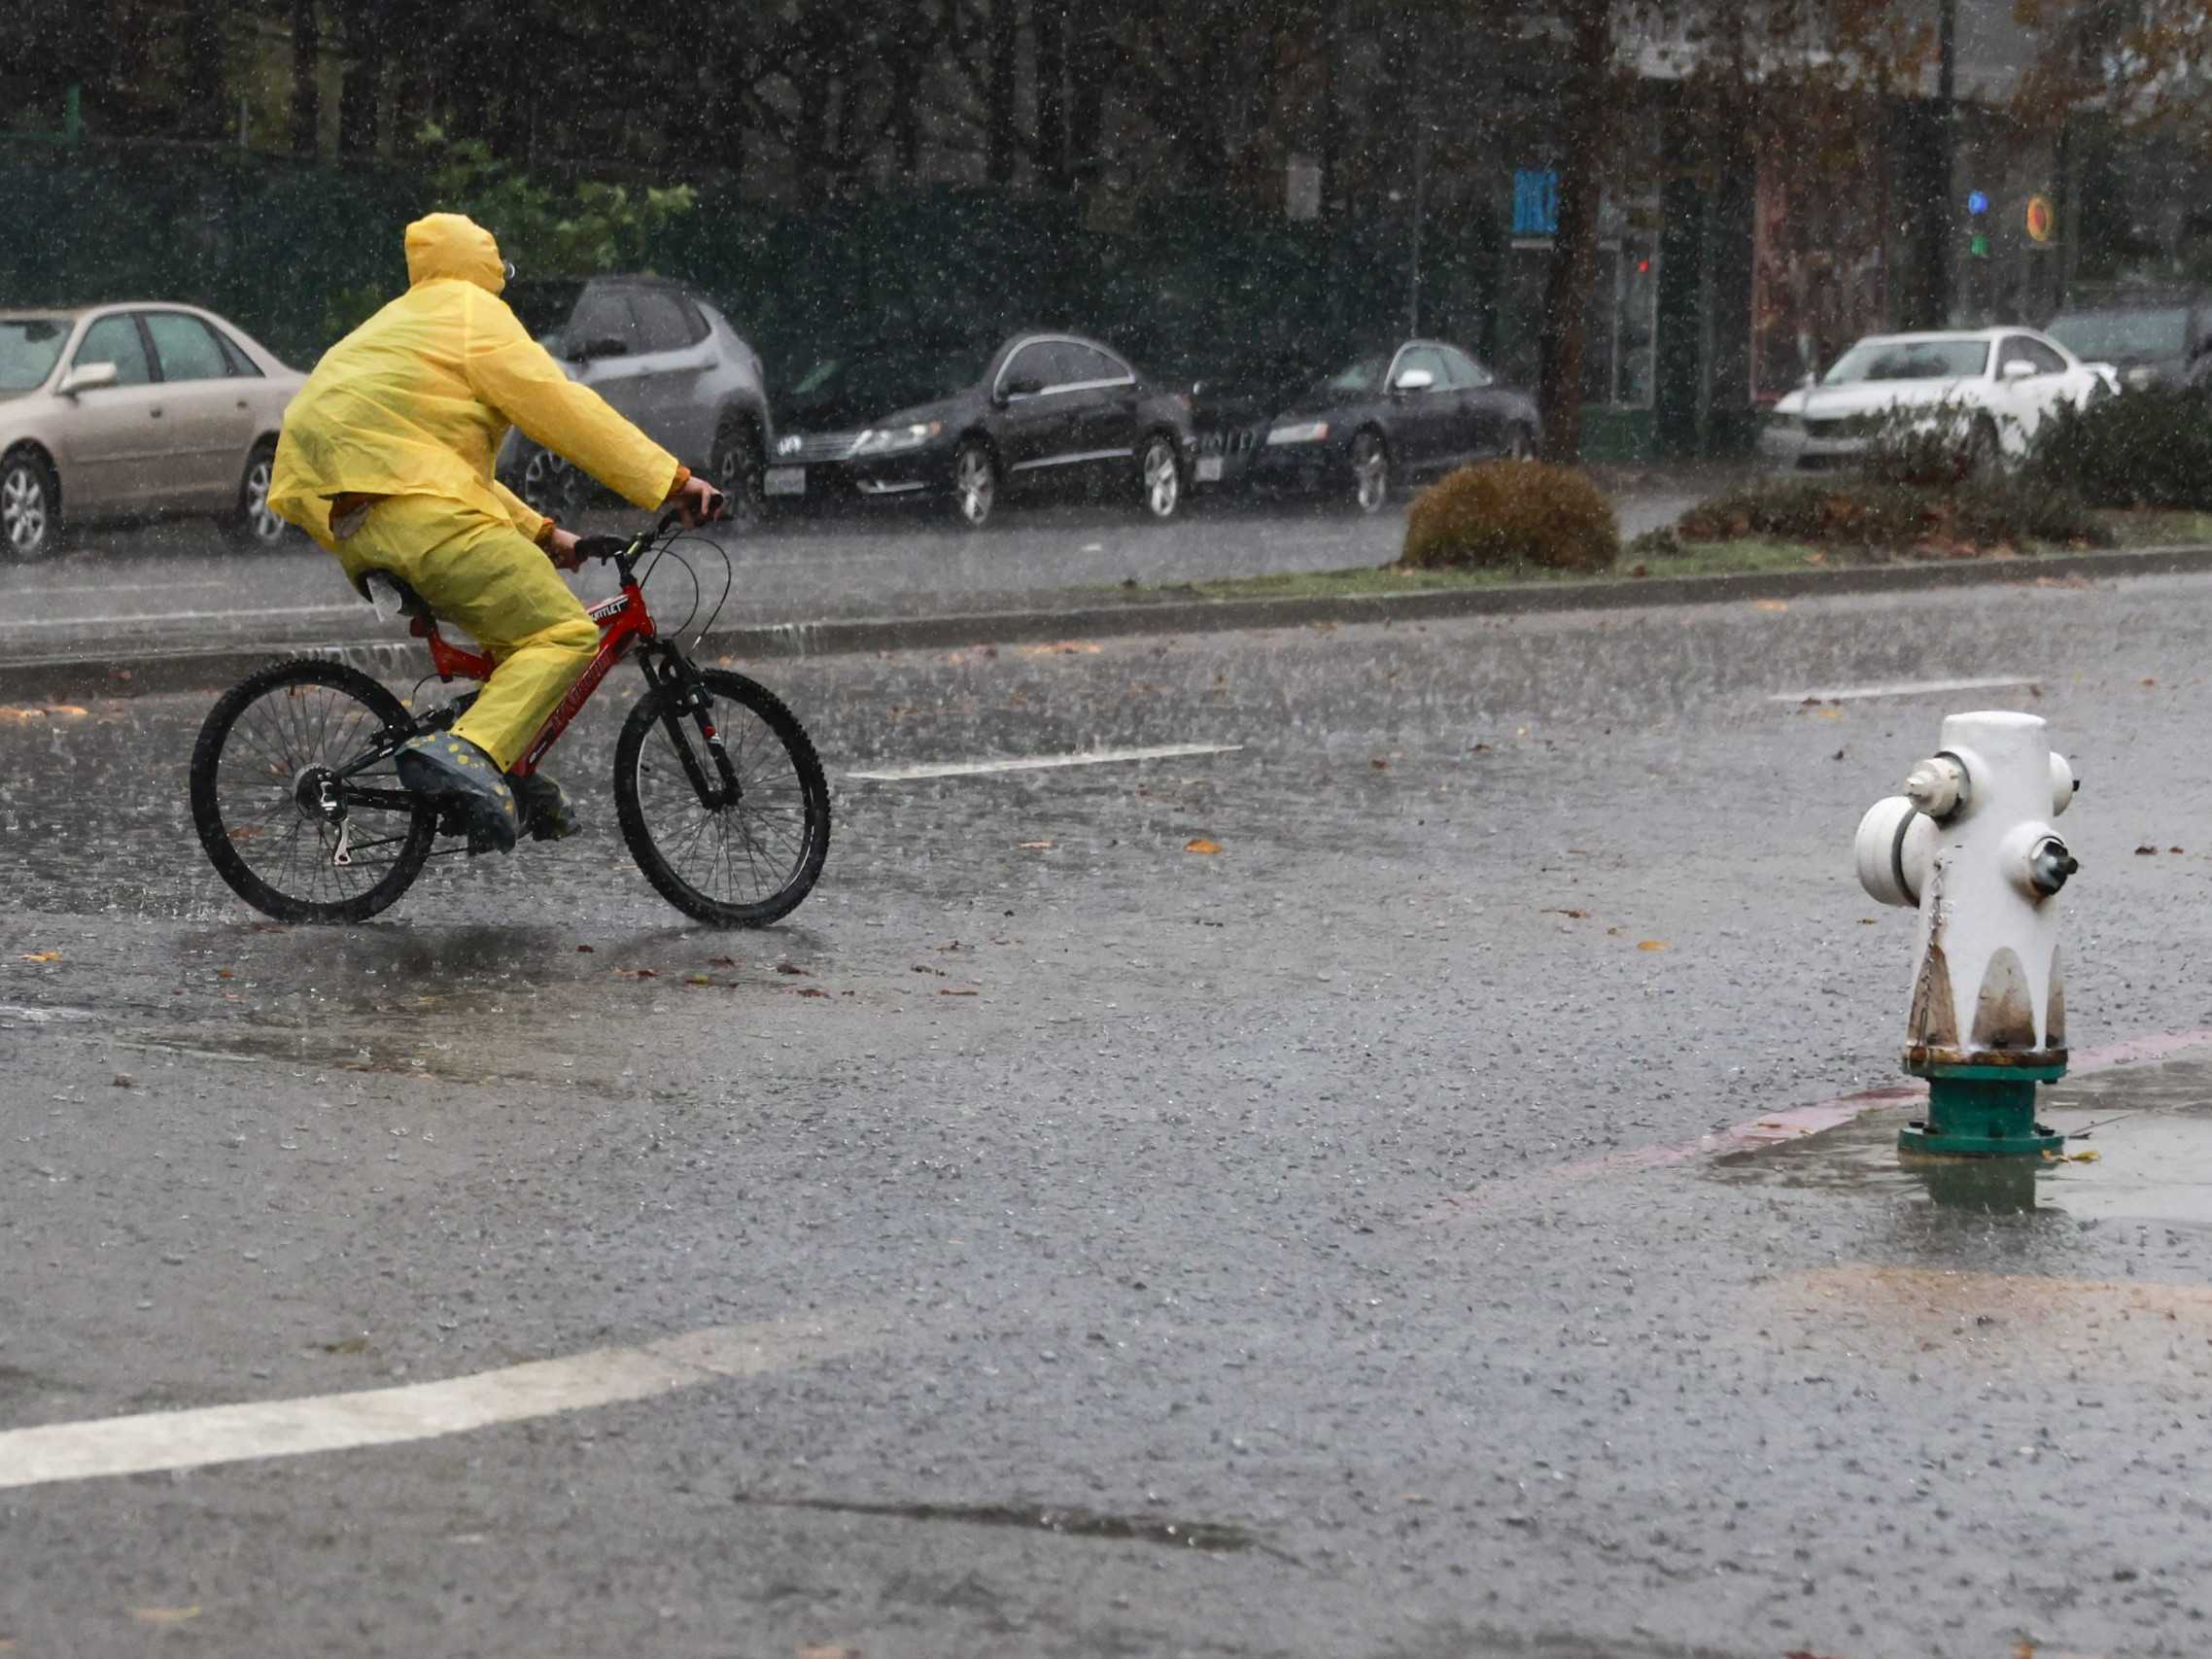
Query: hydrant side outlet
[{"x": 1986, "y": 1018}]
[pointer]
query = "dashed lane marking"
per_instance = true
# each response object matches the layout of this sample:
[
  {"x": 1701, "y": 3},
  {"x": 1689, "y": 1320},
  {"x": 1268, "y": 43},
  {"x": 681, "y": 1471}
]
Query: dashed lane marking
[
  {"x": 1037, "y": 762},
  {"x": 1902, "y": 688},
  {"x": 157, "y": 1441}
]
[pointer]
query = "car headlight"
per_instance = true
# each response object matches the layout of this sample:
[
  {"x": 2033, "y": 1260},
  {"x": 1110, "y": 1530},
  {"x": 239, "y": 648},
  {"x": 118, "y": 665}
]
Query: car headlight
[
  {"x": 1305, "y": 431},
  {"x": 889, "y": 440}
]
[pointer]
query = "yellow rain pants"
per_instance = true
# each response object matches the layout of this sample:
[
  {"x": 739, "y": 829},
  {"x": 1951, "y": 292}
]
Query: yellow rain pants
[{"x": 480, "y": 574}]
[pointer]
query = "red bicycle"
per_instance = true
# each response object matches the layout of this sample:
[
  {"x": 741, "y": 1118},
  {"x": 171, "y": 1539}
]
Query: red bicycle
[{"x": 717, "y": 788}]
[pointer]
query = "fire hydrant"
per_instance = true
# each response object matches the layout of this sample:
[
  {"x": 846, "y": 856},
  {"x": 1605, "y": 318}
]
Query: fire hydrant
[{"x": 1970, "y": 844}]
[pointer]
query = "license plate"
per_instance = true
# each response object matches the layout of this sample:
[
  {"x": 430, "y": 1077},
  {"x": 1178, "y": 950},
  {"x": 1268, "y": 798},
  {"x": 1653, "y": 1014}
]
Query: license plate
[
  {"x": 784, "y": 481},
  {"x": 1209, "y": 468}
]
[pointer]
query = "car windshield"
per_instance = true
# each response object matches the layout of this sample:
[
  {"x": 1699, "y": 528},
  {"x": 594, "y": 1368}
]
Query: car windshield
[
  {"x": 542, "y": 307},
  {"x": 2135, "y": 332},
  {"x": 28, "y": 347},
  {"x": 1361, "y": 375},
  {"x": 896, "y": 375},
  {"x": 1908, "y": 360}
]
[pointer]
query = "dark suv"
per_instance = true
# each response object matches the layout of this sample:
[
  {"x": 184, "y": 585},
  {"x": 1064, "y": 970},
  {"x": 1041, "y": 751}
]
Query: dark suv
[
  {"x": 663, "y": 355},
  {"x": 2153, "y": 336}
]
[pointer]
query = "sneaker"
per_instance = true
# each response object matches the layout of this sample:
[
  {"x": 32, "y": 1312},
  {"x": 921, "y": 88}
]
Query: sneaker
[
  {"x": 445, "y": 766},
  {"x": 544, "y": 806}
]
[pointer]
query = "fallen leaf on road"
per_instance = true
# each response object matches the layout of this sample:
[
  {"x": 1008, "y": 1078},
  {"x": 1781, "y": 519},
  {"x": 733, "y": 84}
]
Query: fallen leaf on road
[
  {"x": 23, "y": 714},
  {"x": 1063, "y": 648},
  {"x": 1572, "y": 915},
  {"x": 1380, "y": 764},
  {"x": 1651, "y": 944},
  {"x": 2175, "y": 849},
  {"x": 2150, "y": 682},
  {"x": 1036, "y": 845},
  {"x": 792, "y": 968},
  {"x": 808, "y": 990},
  {"x": 2146, "y": 852},
  {"x": 960, "y": 993},
  {"x": 1202, "y": 845},
  {"x": 165, "y": 1616},
  {"x": 585, "y": 950},
  {"x": 698, "y": 978},
  {"x": 70, "y": 709},
  {"x": 721, "y": 961},
  {"x": 2088, "y": 1155},
  {"x": 41, "y": 957},
  {"x": 1769, "y": 604},
  {"x": 1828, "y": 714}
]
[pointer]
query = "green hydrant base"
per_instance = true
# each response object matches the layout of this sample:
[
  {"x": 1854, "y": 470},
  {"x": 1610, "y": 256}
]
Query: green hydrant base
[{"x": 1981, "y": 1112}]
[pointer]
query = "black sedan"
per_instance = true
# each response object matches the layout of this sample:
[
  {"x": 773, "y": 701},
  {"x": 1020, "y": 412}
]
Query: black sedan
[
  {"x": 969, "y": 425},
  {"x": 1391, "y": 415}
]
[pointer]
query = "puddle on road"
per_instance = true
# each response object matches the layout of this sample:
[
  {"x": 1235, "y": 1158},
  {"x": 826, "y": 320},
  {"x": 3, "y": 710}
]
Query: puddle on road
[
  {"x": 2150, "y": 1128},
  {"x": 1216, "y": 1538}
]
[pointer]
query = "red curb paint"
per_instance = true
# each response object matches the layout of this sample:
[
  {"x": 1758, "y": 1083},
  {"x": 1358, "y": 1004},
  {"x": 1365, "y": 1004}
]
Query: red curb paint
[{"x": 1795, "y": 1122}]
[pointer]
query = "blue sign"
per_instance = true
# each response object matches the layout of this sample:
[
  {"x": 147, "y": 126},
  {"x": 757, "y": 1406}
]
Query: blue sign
[
  {"x": 1977, "y": 203},
  {"x": 1536, "y": 203}
]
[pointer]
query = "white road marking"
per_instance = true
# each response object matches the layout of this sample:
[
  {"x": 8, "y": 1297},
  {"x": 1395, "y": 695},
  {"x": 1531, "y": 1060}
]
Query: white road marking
[
  {"x": 1903, "y": 688},
  {"x": 157, "y": 1441},
  {"x": 1037, "y": 762},
  {"x": 354, "y": 610}
]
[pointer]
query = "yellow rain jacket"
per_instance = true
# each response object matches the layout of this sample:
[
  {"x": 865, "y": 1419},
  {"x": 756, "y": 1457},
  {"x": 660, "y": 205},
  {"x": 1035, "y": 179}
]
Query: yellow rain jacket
[{"x": 417, "y": 401}]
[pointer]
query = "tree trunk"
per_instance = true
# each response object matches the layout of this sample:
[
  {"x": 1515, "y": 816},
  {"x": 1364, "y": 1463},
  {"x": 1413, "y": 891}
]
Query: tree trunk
[
  {"x": 1332, "y": 100},
  {"x": 360, "y": 94},
  {"x": 1051, "y": 22},
  {"x": 1574, "y": 244},
  {"x": 1090, "y": 68},
  {"x": 1001, "y": 131},
  {"x": 306, "y": 77},
  {"x": 207, "y": 105}
]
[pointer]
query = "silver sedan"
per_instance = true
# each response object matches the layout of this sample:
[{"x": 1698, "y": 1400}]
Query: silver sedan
[{"x": 136, "y": 411}]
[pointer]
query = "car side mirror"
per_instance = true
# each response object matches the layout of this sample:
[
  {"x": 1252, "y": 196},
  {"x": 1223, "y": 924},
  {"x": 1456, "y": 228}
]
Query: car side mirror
[
  {"x": 1415, "y": 380},
  {"x": 2019, "y": 368},
  {"x": 592, "y": 350},
  {"x": 87, "y": 377}
]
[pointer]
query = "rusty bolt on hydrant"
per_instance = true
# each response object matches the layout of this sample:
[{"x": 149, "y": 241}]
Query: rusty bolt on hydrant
[{"x": 1969, "y": 844}]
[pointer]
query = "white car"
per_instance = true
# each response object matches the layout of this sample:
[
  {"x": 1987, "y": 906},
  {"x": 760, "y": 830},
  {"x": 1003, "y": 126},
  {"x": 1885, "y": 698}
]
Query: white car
[{"x": 1998, "y": 383}]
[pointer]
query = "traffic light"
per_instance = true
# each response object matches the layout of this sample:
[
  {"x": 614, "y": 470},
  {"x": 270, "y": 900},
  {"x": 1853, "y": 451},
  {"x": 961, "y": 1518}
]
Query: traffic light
[{"x": 1977, "y": 224}]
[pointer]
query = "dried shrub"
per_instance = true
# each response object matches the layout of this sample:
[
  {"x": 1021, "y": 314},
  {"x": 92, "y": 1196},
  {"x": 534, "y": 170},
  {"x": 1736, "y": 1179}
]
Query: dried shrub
[
  {"x": 1991, "y": 513},
  {"x": 1511, "y": 512}
]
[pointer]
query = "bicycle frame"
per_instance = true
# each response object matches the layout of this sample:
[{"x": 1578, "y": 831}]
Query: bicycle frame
[{"x": 623, "y": 622}]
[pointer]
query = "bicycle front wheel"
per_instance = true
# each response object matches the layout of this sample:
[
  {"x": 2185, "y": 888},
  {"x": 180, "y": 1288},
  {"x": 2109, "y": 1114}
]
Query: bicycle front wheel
[
  {"x": 737, "y": 857},
  {"x": 296, "y": 798}
]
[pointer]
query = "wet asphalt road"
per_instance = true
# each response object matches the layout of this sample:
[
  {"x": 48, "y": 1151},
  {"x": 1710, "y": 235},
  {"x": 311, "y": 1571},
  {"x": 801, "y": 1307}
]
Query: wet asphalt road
[
  {"x": 180, "y": 583},
  {"x": 1292, "y": 1192}
]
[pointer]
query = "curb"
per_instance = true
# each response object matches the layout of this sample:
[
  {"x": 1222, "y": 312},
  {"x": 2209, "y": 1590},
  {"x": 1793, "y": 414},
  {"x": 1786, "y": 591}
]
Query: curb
[{"x": 64, "y": 678}]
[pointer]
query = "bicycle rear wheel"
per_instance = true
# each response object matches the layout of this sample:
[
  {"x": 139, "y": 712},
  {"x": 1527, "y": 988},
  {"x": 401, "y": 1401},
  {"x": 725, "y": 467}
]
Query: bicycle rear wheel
[
  {"x": 737, "y": 861},
  {"x": 292, "y": 764}
]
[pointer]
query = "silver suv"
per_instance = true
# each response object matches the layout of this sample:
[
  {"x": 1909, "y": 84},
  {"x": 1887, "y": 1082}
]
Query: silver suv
[{"x": 664, "y": 357}]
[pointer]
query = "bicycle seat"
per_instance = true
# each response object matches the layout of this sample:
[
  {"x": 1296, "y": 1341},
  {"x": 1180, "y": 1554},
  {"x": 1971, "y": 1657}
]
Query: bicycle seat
[{"x": 396, "y": 593}]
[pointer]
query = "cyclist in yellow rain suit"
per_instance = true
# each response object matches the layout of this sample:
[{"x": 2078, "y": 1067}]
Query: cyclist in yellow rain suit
[{"x": 386, "y": 460}]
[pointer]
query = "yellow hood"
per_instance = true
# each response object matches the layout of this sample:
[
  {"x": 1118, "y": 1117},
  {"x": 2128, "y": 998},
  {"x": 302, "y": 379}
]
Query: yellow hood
[{"x": 454, "y": 245}]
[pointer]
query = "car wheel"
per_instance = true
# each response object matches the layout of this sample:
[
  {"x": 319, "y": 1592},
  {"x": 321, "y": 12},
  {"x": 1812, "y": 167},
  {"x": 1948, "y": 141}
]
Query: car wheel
[
  {"x": 737, "y": 466},
  {"x": 551, "y": 484},
  {"x": 253, "y": 524},
  {"x": 975, "y": 484},
  {"x": 1370, "y": 471},
  {"x": 1159, "y": 478},
  {"x": 30, "y": 507}
]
